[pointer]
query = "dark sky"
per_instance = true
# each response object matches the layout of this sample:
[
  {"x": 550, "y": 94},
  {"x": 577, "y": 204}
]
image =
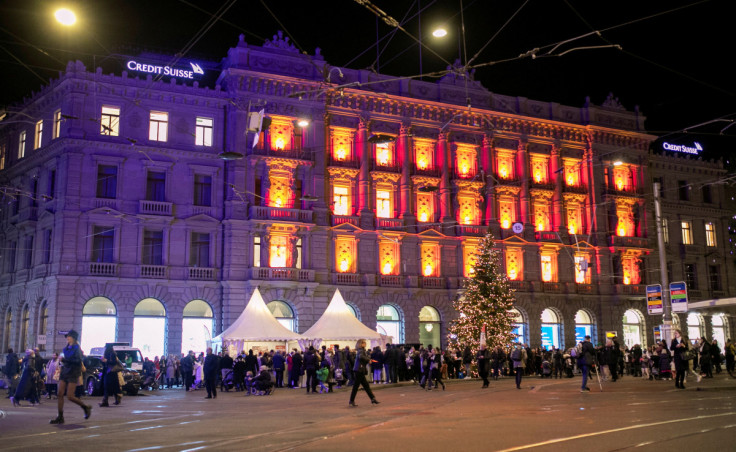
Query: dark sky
[{"x": 675, "y": 62}]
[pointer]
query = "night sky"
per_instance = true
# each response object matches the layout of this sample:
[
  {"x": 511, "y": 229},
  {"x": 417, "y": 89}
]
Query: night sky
[{"x": 674, "y": 62}]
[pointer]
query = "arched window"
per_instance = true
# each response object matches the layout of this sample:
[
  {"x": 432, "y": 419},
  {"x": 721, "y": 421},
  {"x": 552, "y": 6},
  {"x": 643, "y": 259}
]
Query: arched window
[
  {"x": 354, "y": 310},
  {"x": 197, "y": 326},
  {"x": 551, "y": 329},
  {"x": 388, "y": 322},
  {"x": 633, "y": 325},
  {"x": 584, "y": 326},
  {"x": 430, "y": 327},
  {"x": 99, "y": 323},
  {"x": 43, "y": 323},
  {"x": 8, "y": 326},
  {"x": 24, "y": 323},
  {"x": 719, "y": 329},
  {"x": 283, "y": 313},
  {"x": 149, "y": 328},
  {"x": 519, "y": 326},
  {"x": 695, "y": 326}
]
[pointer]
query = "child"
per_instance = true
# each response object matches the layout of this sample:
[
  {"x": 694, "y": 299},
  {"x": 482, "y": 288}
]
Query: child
[
  {"x": 546, "y": 369},
  {"x": 645, "y": 365},
  {"x": 322, "y": 374}
]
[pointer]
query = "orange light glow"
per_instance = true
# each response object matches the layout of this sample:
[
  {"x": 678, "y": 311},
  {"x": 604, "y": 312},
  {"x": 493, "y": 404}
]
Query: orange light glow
[
  {"x": 505, "y": 223},
  {"x": 619, "y": 184},
  {"x": 572, "y": 228},
  {"x": 278, "y": 202},
  {"x": 579, "y": 276},
  {"x": 278, "y": 256},
  {"x": 538, "y": 177},
  {"x": 383, "y": 156},
  {"x": 423, "y": 217},
  {"x": 387, "y": 268},
  {"x": 513, "y": 273},
  {"x": 344, "y": 265},
  {"x": 464, "y": 168},
  {"x": 546, "y": 268},
  {"x": 422, "y": 163},
  {"x": 570, "y": 180},
  {"x": 279, "y": 143},
  {"x": 466, "y": 219},
  {"x": 340, "y": 154},
  {"x": 627, "y": 280},
  {"x": 503, "y": 171},
  {"x": 428, "y": 269}
]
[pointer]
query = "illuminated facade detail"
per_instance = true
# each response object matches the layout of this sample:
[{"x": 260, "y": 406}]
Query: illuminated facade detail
[
  {"x": 342, "y": 144},
  {"x": 388, "y": 252},
  {"x": 425, "y": 210},
  {"x": 541, "y": 215},
  {"x": 507, "y": 212},
  {"x": 281, "y": 134},
  {"x": 505, "y": 164},
  {"x": 625, "y": 225},
  {"x": 470, "y": 248},
  {"x": 515, "y": 264},
  {"x": 572, "y": 172},
  {"x": 623, "y": 178},
  {"x": 385, "y": 154},
  {"x": 430, "y": 259},
  {"x": 279, "y": 192},
  {"x": 467, "y": 212},
  {"x": 278, "y": 252},
  {"x": 710, "y": 234},
  {"x": 539, "y": 165},
  {"x": 548, "y": 261},
  {"x": 345, "y": 254},
  {"x": 424, "y": 154},
  {"x": 582, "y": 269},
  {"x": 466, "y": 161},
  {"x": 630, "y": 267},
  {"x": 384, "y": 209},
  {"x": 574, "y": 223},
  {"x": 341, "y": 200}
]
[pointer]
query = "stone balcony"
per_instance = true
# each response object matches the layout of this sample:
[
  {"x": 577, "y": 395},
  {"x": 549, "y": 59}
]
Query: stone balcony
[
  {"x": 389, "y": 223},
  {"x": 202, "y": 273},
  {"x": 433, "y": 282},
  {"x": 342, "y": 219},
  {"x": 519, "y": 286},
  {"x": 391, "y": 281},
  {"x": 280, "y": 214},
  {"x": 546, "y": 236},
  {"x": 102, "y": 268},
  {"x": 580, "y": 189},
  {"x": 281, "y": 274},
  {"x": 347, "y": 279},
  {"x": 153, "y": 271},
  {"x": 147, "y": 207},
  {"x": 471, "y": 230},
  {"x": 628, "y": 242},
  {"x": 630, "y": 289}
]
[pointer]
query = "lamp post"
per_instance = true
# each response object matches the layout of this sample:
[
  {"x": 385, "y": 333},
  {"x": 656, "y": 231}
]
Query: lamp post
[{"x": 667, "y": 306}]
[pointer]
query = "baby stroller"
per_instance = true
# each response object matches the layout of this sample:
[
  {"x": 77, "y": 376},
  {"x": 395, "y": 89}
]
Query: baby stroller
[
  {"x": 546, "y": 369},
  {"x": 227, "y": 381},
  {"x": 257, "y": 387},
  {"x": 150, "y": 382}
]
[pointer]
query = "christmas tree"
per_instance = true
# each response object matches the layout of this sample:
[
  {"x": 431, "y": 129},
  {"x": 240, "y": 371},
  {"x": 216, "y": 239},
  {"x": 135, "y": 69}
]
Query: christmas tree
[{"x": 486, "y": 300}]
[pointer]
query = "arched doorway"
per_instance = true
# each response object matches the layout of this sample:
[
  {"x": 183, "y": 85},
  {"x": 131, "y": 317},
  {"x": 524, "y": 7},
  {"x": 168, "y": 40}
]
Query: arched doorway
[
  {"x": 99, "y": 323},
  {"x": 633, "y": 326},
  {"x": 149, "y": 328},
  {"x": 25, "y": 322},
  {"x": 430, "y": 327},
  {"x": 8, "y": 326},
  {"x": 283, "y": 313},
  {"x": 198, "y": 323},
  {"x": 353, "y": 310},
  {"x": 584, "y": 326},
  {"x": 551, "y": 329},
  {"x": 43, "y": 323},
  {"x": 519, "y": 326},
  {"x": 718, "y": 321},
  {"x": 695, "y": 325},
  {"x": 388, "y": 321}
]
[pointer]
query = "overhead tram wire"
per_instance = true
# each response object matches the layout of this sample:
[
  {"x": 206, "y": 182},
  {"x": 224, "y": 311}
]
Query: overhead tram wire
[{"x": 226, "y": 22}]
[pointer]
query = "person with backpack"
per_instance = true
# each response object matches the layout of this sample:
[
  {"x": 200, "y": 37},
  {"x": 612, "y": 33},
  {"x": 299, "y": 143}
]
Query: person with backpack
[
  {"x": 518, "y": 358},
  {"x": 585, "y": 354}
]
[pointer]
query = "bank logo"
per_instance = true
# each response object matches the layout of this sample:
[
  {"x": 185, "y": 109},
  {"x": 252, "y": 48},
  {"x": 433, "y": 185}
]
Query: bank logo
[{"x": 197, "y": 69}]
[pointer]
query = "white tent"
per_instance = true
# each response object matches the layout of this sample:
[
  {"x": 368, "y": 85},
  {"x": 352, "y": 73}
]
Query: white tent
[
  {"x": 256, "y": 327},
  {"x": 338, "y": 325}
]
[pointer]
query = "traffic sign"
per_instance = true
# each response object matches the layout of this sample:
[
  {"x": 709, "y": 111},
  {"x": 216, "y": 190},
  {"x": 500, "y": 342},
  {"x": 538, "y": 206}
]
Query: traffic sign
[
  {"x": 678, "y": 296},
  {"x": 654, "y": 299}
]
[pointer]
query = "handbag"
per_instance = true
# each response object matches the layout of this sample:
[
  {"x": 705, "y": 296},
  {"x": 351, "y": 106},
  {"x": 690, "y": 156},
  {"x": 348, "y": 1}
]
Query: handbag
[
  {"x": 117, "y": 367},
  {"x": 687, "y": 355},
  {"x": 121, "y": 380},
  {"x": 57, "y": 372}
]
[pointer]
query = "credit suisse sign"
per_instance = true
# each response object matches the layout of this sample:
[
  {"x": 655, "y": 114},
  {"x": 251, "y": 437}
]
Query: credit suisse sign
[
  {"x": 695, "y": 149},
  {"x": 165, "y": 70}
]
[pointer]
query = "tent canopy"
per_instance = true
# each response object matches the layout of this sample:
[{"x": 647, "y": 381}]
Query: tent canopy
[
  {"x": 256, "y": 324},
  {"x": 339, "y": 324}
]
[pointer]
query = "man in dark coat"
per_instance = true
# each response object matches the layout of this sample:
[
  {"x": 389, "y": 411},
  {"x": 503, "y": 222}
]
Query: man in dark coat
[
  {"x": 187, "y": 368},
  {"x": 296, "y": 369},
  {"x": 11, "y": 367},
  {"x": 251, "y": 363},
  {"x": 585, "y": 360},
  {"x": 310, "y": 367},
  {"x": 715, "y": 356},
  {"x": 278, "y": 367},
  {"x": 209, "y": 373}
]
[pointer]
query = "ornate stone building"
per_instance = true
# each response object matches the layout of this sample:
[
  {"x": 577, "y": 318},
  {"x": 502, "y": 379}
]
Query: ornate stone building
[{"x": 129, "y": 215}]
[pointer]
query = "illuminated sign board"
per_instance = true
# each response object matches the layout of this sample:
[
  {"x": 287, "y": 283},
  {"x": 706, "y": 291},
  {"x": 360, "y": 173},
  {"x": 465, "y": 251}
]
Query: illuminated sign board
[
  {"x": 165, "y": 70},
  {"x": 695, "y": 149}
]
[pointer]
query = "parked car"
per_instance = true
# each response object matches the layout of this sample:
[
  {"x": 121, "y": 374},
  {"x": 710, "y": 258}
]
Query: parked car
[{"x": 93, "y": 377}]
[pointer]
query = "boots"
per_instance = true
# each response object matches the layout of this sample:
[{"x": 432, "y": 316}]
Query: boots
[
  {"x": 87, "y": 411},
  {"x": 58, "y": 419}
]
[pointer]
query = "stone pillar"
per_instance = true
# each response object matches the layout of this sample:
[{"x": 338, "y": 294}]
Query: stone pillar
[
  {"x": 445, "y": 162},
  {"x": 487, "y": 159},
  {"x": 363, "y": 153},
  {"x": 557, "y": 176},
  {"x": 522, "y": 168},
  {"x": 403, "y": 151}
]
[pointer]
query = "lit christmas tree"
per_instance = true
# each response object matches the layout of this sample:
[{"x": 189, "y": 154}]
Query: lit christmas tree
[{"x": 486, "y": 300}]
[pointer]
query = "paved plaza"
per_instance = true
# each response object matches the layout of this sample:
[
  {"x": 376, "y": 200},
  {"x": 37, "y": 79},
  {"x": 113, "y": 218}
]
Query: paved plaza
[{"x": 546, "y": 414}]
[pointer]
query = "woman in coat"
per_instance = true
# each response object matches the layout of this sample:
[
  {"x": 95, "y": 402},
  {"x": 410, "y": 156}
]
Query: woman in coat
[
  {"x": 71, "y": 371},
  {"x": 51, "y": 383},
  {"x": 705, "y": 360},
  {"x": 110, "y": 380},
  {"x": 678, "y": 346},
  {"x": 170, "y": 371},
  {"x": 376, "y": 364},
  {"x": 25, "y": 385},
  {"x": 360, "y": 370}
]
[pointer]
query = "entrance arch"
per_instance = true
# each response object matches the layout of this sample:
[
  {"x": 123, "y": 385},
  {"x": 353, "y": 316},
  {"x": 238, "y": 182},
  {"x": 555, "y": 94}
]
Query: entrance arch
[
  {"x": 695, "y": 326},
  {"x": 519, "y": 326},
  {"x": 99, "y": 323},
  {"x": 389, "y": 322},
  {"x": 584, "y": 326},
  {"x": 633, "y": 326},
  {"x": 718, "y": 321},
  {"x": 197, "y": 326},
  {"x": 430, "y": 327},
  {"x": 551, "y": 329},
  {"x": 149, "y": 328}
]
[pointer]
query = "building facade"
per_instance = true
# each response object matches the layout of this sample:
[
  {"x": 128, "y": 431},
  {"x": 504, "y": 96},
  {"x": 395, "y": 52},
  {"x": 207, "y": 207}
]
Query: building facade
[{"x": 130, "y": 215}]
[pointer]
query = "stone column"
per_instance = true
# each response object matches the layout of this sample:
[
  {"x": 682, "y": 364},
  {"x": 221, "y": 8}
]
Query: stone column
[
  {"x": 522, "y": 168},
  {"x": 487, "y": 159},
  {"x": 405, "y": 189},
  {"x": 445, "y": 162},
  {"x": 363, "y": 153},
  {"x": 557, "y": 176}
]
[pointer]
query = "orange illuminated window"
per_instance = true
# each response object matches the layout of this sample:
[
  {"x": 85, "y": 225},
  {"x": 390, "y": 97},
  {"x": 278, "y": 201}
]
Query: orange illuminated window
[
  {"x": 622, "y": 178},
  {"x": 469, "y": 258},
  {"x": 279, "y": 193},
  {"x": 278, "y": 253},
  {"x": 281, "y": 132},
  {"x": 467, "y": 210},
  {"x": 630, "y": 266},
  {"x": 341, "y": 200},
  {"x": 384, "y": 154},
  {"x": 572, "y": 173},
  {"x": 574, "y": 220},
  {"x": 424, "y": 151},
  {"x": 625, "y": 225},
  {"x": 425, "y": 207},
  {"x": 539, "y": 166},
  {"x": 388, "y": 252},
  {"x": 465, "y": 162},
  {"x": 514, "y": 264},
  {"x": 505, "y": 163},
  {"x": 548, "y": 261},
  {"x": 541, "y": 216},
  {"x": 582, "y": 269},
  {"x": 507, "y": 212},
  {"x": 383, "y": 204},
  {"x": 345, "y": 254},
  {"x": 342, "y": 143},
  {"x": 430, "y": 259}
]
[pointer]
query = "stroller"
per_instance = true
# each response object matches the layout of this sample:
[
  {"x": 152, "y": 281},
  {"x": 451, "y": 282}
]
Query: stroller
[
  {"x": 150, "y": 382},
  {"x": 256, "y": 387},
  {"x": 227, "y": 382}
]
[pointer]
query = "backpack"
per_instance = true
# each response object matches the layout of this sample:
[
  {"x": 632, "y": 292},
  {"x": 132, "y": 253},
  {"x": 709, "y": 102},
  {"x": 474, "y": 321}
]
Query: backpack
[
  {"x": 516, "y": 355},
  {"x": 338, "y": 374}
]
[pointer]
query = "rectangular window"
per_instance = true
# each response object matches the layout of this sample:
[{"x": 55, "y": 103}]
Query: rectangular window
[
  {"x": 582, "y": 275},
  {"x": 683, "y": 189},
  {"x": 12, "y": 256},
  {"x": 714, "y": 277},
  {"x": 103, "y": 244},
  {"x": 156, "y": 186},
  {"x": 341, "y": 201},
  {"x": 57, "y": 125},
  {"x": 51, "y": 187},
  {"x": 47, "y": 246},
  {"x": 202, "y": 190},
  {"x": 158, "y": 126},
  {"x": 707, "y": 195},
  {"x": 2, "y": 156},
  {"x": 298, "y": 258},
  {"x": 547, "y": 268},
  {"x": 256, "y": 251},
  {"x": 710, "y": 234},
  {"x": 199, "y": 255},
  {"x": 153, "y": 248},
  {"x": 203, "y": 132},
  {"x": 107, "y": 181},
  {"x": 110, "y": 121},
  {"x": 28, "y": 252},
  {"x": 687, "y": 232},
  {"x": 383, "y": 204},
  {"x": 38, "y": 135},
  {"x": 665, "y": 230},
  {"x": 22, "y": 145},
  {"x": 691, "y": 277}
]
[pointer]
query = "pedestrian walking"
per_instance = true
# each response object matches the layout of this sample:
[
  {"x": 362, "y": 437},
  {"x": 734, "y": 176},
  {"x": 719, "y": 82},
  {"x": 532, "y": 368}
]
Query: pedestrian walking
[
  {"x": 482, "y": 359},
  {"x": 679, "y": 349},
  {"x": 360, "y": 370},
  {"x": 110, "y": 376},
  {"x": 25, "y": 387},
  {"x": 518, "y": 358},
  {"x": 585, "y": 360},
  {"x": 70, "y": 376},
  {"x": 209, "y": 371},
  {"x": 52, "y": 381},
  {"x": 11, "y": 369}
]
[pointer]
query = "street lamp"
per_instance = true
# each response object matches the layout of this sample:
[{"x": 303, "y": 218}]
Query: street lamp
[
  {"x": 439, "y": 32},
  {"x": 65, "y": 17}
]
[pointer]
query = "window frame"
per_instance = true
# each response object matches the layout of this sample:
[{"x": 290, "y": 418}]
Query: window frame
[
  {"x": 710, "y": 234},
  {"x": 158, "y": 127},
  {"x": 204, "y": 134},
  {"x": 110, "y": 120},
  {"x": 38, "y": 135},
  {"x": 687, "y": 232}
]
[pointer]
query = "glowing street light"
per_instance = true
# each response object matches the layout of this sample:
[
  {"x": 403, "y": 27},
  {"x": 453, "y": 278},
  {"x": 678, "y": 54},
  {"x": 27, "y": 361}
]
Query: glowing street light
[
  {"x": 65, "y": 17},
  {"x": 439, "y": 32}
]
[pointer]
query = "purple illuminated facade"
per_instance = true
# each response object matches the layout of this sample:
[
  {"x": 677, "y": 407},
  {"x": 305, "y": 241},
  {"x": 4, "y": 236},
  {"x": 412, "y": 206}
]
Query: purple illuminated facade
[{"x": 118, "y": 205}]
